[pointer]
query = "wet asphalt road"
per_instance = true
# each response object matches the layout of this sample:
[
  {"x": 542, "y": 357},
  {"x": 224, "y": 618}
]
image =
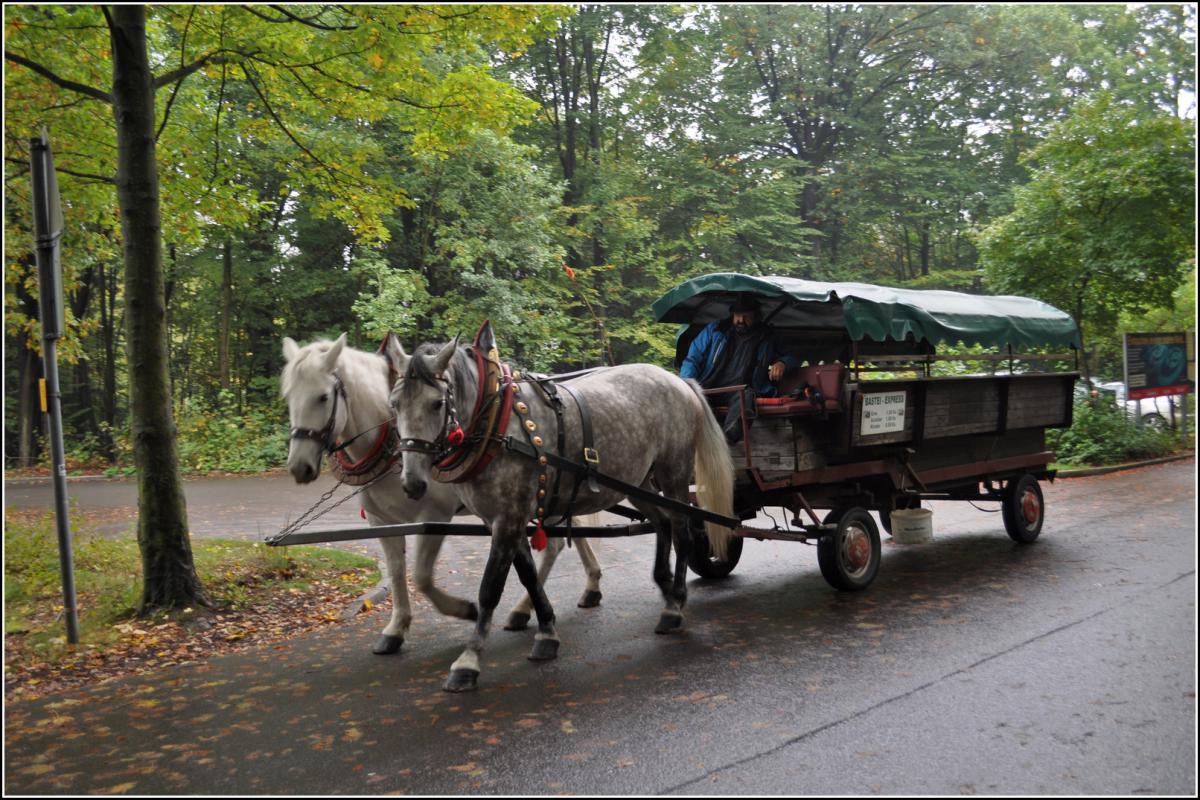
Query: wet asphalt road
[{"x": 971, "y": 665}]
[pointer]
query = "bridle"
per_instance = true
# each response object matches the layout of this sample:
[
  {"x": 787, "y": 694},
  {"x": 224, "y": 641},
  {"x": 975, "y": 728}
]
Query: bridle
[
  {"x": 449, "y": 437},
  {"x": 324, "y": 435}
]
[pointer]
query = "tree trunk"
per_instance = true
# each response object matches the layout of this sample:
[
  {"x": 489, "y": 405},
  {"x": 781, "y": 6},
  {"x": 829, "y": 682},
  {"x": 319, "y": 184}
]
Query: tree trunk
[
  {"x": 108, "y": 333},
  {"x": 226, "y": 311},
  {"x": 29, "y": 410},
  {"x": 926, "y": 248},
  {"x": 168, "y": 573}
]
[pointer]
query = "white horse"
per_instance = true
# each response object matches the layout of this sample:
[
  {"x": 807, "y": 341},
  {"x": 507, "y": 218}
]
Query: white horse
[{"x": 337, "y": 394}]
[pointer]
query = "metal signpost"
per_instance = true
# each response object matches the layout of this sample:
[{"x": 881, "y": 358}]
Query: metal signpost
[{"x": 48, "y": 229}]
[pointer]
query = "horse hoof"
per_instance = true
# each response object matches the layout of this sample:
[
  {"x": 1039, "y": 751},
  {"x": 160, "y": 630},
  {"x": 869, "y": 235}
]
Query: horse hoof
[
  {"x": 590, "y": 599},
  {"x": 544, "y": 650},
  {"x": 386, "y": 645},
  {"x": 472, "y": 613},
  {"x": 517, "y": 621},
  {"x": 669, "y": 623},
  {"x": 461, "y": 680}
]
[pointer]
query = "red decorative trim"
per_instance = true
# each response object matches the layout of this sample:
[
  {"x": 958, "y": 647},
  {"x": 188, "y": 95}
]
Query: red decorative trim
[{"x": 370, "y": 458}]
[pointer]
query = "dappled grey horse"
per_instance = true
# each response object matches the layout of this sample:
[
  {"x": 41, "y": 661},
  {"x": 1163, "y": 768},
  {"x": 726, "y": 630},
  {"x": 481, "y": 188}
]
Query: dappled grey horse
[
  {"x": 651, "y": 430},
  {"x": 336, "y": 393}
]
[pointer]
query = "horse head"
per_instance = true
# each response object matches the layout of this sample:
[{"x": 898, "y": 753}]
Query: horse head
[
  {"x": 433, "y": 383},
  {"x": 316, "y": 403}
]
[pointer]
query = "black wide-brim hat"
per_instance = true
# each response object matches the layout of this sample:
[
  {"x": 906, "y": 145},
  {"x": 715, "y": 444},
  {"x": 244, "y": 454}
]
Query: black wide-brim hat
[{"x": 744, "y": 303}]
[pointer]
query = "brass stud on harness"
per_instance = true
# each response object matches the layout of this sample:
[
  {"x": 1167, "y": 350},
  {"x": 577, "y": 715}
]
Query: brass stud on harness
[
  {"x": 537, "y": 441},
  {"x": 542, "y": 477},
  {"x": 543, "y": 460},
  {"x": 541, "y": 492},
  {"x": 530, "y": 425},
  {"x": 522, "y": 408}
]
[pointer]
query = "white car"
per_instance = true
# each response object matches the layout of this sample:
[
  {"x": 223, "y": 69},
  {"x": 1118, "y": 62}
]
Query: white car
[{"x": 1153, "y": 411}]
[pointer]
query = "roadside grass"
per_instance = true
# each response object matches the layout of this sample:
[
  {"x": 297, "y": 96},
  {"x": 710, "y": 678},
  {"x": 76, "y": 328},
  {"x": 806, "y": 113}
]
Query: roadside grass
[{"x": 257, "y": 594}]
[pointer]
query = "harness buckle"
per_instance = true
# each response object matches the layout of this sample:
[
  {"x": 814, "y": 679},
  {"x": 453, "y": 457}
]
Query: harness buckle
[{"x": 591, "y": 456}]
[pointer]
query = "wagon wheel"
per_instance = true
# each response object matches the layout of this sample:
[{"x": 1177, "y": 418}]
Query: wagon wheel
[
  {"x": 885, "y": 512},
  {"x": 849, "y": 557},
  {"x": 703, "y": 563},
  {"x": 1023, "y": 509}
]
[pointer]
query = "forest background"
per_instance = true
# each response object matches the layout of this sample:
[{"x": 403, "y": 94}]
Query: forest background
[{"x": 329, "y": 169}]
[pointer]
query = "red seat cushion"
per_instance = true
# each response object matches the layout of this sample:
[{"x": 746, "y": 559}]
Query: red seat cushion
[{"x": 825, "y": 377}]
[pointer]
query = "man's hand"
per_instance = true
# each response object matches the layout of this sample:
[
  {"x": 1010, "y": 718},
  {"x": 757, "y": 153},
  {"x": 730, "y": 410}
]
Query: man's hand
[{"x": 775, "y": 372}]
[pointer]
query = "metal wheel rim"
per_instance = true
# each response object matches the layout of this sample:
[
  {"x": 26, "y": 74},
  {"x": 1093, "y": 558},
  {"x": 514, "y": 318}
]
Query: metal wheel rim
[
  {"x": 1031, "y": 508},
  {"x": 855, "y": 550}
]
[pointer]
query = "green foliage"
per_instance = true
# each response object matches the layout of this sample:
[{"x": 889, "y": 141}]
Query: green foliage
[
  {"x": 442, "y": 168},
  {"x": 212, "y": 439},
  {"x": 1107, "y": 220},
  {"x": 1101, "y": 433}
]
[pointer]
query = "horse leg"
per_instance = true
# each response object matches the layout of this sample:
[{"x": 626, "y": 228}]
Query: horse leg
[
  {"x": 683, "y": 551},
  {"x": 677, "y": 490},
  {"x": 671, "y": 618},
  {"x": 393, "y": 635},
  {"x": 464, "y": 672},
  {"x": 591, "y": 565},
  {"x": 428, "y": 548},
  {"x": 545, "y": 644},
  {"x": 518, "y": 620}
]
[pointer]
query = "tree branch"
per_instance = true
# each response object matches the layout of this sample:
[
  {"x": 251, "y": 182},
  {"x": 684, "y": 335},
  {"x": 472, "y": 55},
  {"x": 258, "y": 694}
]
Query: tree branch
[
  {"x": 179, "y": 74},
  {"x": 309, "y": 21},
  {"x": 175, "y": 91},
  {"x": 88, "y": 91},
  {"x": 333, "y": 173},
  {"x": 60, "y": 168}
]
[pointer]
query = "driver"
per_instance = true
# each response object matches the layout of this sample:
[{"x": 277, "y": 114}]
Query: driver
[{"x": 738, "y": 350}]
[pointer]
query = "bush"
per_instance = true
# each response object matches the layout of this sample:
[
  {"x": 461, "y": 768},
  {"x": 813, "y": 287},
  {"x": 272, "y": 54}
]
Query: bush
[
  {"x": 211, "y": 439},
  {"x": 1103, "y": 434}
]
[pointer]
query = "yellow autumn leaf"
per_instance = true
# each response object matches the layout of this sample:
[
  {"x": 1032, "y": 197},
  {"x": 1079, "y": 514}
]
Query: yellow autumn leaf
[{"x": 376, "y": 60}]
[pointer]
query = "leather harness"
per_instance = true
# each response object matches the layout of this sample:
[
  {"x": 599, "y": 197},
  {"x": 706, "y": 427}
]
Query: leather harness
[{"x": 485, "y": 434}]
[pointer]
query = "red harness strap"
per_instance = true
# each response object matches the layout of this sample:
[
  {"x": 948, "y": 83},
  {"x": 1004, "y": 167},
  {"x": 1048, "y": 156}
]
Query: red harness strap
[{"x": 367, "y": 461}]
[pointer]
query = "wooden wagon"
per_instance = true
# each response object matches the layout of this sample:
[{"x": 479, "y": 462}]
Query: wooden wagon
[{"x": 877, "y": 419}]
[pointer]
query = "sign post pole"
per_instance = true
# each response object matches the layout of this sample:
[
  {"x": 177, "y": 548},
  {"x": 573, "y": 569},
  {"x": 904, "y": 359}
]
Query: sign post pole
[{"x": 48, "y": 229}]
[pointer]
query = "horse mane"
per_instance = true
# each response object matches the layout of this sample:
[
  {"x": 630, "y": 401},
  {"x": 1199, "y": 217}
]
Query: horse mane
[
  {"x": 420, "y": 367},
  {"x": 358, "y": 369}
]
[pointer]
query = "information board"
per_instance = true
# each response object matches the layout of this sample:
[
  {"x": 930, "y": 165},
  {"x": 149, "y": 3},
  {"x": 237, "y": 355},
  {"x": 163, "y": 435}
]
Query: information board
[
  {"x": 1156, "y": 365},
  {"x": 882, "y": 412}
]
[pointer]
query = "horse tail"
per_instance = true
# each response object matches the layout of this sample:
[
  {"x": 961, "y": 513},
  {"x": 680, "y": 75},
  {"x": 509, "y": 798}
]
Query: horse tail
[{"x": 714, "y": 472}]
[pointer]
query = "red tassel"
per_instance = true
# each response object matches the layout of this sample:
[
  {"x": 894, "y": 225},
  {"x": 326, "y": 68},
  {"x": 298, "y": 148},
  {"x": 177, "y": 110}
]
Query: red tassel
[
  {"x": 538, "y": 541},
  {"x": 362, "y": 512},
  {"x": 456, "y": 437}
]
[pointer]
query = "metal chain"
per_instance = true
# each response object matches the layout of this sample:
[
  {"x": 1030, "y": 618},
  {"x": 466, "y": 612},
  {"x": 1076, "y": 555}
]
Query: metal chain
[{"x": 307, "y": 518}]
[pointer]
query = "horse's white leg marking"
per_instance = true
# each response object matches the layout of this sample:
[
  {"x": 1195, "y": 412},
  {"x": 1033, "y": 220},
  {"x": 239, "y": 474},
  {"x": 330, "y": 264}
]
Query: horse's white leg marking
[
  {"x": 469, "y": 660},
  {"x": 590, "y": 564},
  {"x": 428, "y": 547},
  {"x": 394, "y": 554}
]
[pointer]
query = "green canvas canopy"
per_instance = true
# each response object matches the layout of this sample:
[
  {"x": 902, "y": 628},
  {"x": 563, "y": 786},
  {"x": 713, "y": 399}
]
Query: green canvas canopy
[{"x": 865, "y": 311}]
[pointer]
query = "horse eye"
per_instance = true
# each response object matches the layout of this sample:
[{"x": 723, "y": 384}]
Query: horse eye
[
  {"x": 436, "y": 404},
  {"x": 322, "y": 398}
]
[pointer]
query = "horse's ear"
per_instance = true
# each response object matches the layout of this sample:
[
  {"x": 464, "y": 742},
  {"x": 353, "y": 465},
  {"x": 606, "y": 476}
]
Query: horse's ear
[
  {"x": 442, "y": 360},
  {"x": 290, "y": 348},
  {"x": 393, "y": 351},
  {"x": 335, "y": 352}
]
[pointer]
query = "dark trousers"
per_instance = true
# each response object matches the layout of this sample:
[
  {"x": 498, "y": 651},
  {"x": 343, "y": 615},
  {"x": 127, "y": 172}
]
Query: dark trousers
[{"x": 732, "y": 426}]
